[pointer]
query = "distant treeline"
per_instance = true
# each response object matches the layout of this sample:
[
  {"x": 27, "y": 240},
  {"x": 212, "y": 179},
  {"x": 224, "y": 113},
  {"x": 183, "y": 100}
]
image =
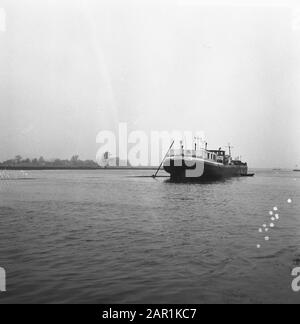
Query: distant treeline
[
  {"x": 19, "y": 163},
  {"x": 74, "y": 162}
]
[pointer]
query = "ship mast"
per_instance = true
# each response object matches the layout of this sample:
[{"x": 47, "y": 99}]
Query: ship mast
[{"x": 230, "y": 147}]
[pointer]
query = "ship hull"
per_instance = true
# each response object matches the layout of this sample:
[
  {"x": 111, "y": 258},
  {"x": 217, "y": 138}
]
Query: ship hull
[{"x": 198, "y": 169}]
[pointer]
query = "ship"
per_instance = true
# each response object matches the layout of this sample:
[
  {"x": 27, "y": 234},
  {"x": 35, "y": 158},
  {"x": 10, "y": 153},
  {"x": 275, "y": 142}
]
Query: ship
[
  {"x": 296, "y": 169},
  {"x": 203, "y": 164}
]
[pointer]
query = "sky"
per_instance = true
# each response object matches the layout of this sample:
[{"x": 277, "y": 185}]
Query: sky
[{"x": 70, "y": 69}]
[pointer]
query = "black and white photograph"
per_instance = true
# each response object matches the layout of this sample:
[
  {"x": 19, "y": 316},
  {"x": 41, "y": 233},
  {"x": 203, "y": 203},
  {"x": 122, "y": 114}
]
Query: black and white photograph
[{"x": 149, "y": 154}]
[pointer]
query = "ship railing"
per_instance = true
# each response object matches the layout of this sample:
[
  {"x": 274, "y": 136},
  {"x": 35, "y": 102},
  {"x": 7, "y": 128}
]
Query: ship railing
[{"x": 188, "y": 153}]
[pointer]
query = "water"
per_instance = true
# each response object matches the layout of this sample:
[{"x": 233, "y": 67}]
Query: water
[{"x": 114, "y": 237}]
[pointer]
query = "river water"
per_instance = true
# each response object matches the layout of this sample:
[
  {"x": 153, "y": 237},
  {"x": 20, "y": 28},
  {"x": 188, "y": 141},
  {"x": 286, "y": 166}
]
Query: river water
[{"x": 117, "y": 237}]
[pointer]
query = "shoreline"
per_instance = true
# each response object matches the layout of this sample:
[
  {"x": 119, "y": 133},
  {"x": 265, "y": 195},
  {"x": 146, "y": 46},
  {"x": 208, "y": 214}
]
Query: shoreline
[
  {"x": 13, "y": 168},
  {"x": 45, "y": 168}
]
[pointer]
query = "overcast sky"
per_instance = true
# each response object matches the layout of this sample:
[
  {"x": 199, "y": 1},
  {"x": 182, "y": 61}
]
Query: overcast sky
[{"x": 69, "y": 69}]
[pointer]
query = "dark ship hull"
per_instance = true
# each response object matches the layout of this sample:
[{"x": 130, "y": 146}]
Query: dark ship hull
[{"x": 198, "y": 169}]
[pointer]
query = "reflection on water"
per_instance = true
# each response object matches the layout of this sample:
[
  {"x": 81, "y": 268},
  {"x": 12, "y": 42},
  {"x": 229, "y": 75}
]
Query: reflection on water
[
  {"x": 119, "y": 237},
  {"x": 200, "y": 181}
]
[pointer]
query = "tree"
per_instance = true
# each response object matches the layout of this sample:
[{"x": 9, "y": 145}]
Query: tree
[
  {"x": 74, "y": 159},
  {"x": 18, "y": 159},
  {"x": 57, "y": 162}
]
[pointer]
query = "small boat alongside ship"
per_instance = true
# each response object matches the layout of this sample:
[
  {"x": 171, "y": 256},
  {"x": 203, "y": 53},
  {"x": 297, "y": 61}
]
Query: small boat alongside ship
[{"x": 203, "y": 164}]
